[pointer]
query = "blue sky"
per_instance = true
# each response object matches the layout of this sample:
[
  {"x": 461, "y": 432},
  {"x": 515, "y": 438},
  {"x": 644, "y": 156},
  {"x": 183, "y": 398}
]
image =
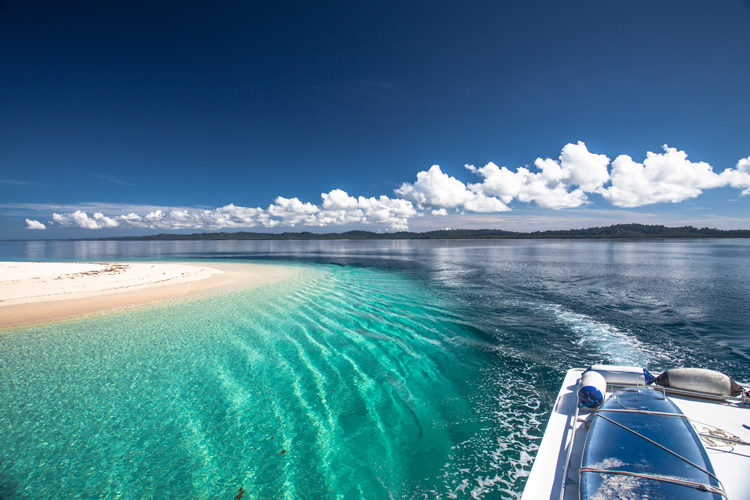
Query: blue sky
[{"x": 121, "y": 118}]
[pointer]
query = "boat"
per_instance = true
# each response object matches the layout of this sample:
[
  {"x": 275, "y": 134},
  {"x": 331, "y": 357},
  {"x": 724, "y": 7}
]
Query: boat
[{"x": 620, "y": 432}]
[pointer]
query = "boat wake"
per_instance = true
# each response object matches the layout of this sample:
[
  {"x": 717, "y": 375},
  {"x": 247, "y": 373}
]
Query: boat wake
[
  {"x": 614, "y": 345},
  {"x": 497, "y": 459}
]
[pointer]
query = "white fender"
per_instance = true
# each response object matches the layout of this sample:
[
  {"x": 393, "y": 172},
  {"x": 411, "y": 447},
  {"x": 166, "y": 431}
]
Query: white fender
[
  {"x": 591, "y": 389},
  {"x": 699, "y": 380},
  {"x": 624, "y": 375}
]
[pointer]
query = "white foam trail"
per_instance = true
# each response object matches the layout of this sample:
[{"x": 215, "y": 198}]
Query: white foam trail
[
  {"x": 618, "y": 347},
  {"x": 500, "y": 459}
]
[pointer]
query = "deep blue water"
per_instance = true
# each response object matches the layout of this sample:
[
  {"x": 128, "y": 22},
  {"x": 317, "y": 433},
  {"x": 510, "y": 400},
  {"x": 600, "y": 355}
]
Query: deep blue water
[{"x": 387, "y": 368}]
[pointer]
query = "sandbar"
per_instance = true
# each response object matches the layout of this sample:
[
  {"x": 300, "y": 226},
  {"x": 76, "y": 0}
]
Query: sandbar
[{"x": 42, "y": 292}]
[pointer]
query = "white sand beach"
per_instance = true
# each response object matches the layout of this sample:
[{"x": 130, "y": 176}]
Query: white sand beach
[{"x": 39, "y": 292}]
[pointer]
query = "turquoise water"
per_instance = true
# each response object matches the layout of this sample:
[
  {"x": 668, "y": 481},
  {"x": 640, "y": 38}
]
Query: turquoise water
[
  {"x": 338, "y": 382},
  {"x": 384, "y": 369}
]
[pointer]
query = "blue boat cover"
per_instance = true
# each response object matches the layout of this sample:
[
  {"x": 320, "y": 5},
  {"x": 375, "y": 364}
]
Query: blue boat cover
[{"x": 656, "y": 472}]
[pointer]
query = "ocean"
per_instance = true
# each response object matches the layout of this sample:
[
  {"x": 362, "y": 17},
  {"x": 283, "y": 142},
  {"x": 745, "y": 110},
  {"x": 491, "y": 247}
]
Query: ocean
[{"x": 384, "y": 369}]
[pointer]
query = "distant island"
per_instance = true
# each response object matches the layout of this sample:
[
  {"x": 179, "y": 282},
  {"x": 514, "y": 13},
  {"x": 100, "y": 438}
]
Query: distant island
[{"x": 617, "y": 231}]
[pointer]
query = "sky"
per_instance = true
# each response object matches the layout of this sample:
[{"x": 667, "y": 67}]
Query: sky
[{"x": 131, "y": 118}]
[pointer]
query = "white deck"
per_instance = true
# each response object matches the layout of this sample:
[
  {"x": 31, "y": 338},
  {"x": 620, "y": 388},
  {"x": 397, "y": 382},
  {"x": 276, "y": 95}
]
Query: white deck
[{"x": 547, "y": 479}]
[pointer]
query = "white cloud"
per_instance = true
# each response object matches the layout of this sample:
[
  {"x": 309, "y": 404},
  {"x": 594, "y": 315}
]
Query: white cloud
[
  {"x": 291, "y": 211},
  {"x": 584, "y": 169},
  {"x": 35, "y": 224},
  {"x": 544, "y": 188},
  {"x": 577, "y": 169},
  {"x": 105, "y": 221},
  {"x": 555, "y": 184},
  {"x": 383, "y": 210},
  {"x": 132, "y": 218},
  {"x": 340, "y": 208},
  {"x": 337, "y": 208},
  {"x": 80, "y": 219},
  {"x": 439, "y": 191},
  {"x": 499, "y": 181},
  {"x": 485, "y": 204},
  {"x": 339, "y": 200},
  {"x": 556, "y": 197},
  {"x": 233, "y": 216},
  {"x": 171, "y": 219},
  {"x": 167, "y": 218},
  {"x": 739, "y": 177},
  {"x": 662, "y": 177},
  {"x": 228, "y": 216},
  {"x": 435, "y": 189}
]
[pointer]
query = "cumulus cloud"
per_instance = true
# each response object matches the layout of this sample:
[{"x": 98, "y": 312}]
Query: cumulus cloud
[
  {"x": 292, "y": 212},
  {"x": 228, "y": 216},
  {"x": 340, "y": 208},
  {"x": 80, "y": 219},
  {"x": 435, "y": 189},
  {"x": 662, "y": 177},
  {"x": 35, "y": 224},
  {"x": 543, "y": 188},
  {"x": 484, "y": 204},
  {"x": 566, "y": 183},
  {"x": 337, "y": 208},
  {"x": 231, "y": 215},
  {"x": 581, "y": 168},
  {"x": 438, "y": 191},
  {"x": 563, "y": 183},
  {"x": 739, "y": 177},
  {"x": 557, "y": 183}
]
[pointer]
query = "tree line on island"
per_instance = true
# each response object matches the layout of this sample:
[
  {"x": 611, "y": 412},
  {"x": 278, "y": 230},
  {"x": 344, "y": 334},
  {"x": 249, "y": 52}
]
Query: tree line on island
[{"x": 617, "y": 231}]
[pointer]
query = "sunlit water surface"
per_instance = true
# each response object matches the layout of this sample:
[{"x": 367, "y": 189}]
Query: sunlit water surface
[{"x": 383, "y": 369}]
